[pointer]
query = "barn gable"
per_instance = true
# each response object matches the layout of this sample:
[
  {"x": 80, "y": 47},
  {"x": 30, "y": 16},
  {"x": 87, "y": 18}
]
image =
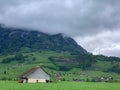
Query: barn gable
[
  {"x": 39, "y": 73},
  {"x": 36, "y": 74}
]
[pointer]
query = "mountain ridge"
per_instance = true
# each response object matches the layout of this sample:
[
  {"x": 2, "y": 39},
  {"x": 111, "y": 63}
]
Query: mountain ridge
[
  {"x": 58, "y": 54},
  {"x": 13, "y": 40}
]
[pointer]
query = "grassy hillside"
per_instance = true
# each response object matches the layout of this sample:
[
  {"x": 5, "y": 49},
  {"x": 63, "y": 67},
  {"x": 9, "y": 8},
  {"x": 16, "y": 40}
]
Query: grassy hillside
[
  {"x": 13, "y": 69},
  {"x": 21, "y": 50}
]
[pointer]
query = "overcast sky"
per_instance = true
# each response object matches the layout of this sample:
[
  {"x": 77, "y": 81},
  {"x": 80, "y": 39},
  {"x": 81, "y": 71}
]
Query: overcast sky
[{"x": 94, "y": 24}]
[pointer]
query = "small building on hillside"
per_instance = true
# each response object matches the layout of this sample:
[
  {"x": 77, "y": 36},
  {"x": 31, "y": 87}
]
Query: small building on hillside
[{"x": 35, "y": 75}]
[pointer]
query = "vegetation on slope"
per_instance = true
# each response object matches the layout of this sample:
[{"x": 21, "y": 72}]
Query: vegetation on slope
[
  {"x": 64, "y": 66},
  {"x": 60, "y": 55},
  {"x": 15, "y": 40}
]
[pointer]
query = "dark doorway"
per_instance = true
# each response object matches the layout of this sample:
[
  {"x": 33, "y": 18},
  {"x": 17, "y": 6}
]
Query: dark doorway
[
  {"x": 36, "y": 81},
  {"x": 47, "y": 81}
]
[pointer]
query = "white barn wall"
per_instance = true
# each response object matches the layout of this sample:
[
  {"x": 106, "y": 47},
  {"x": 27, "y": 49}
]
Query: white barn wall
[
  {"x": 35, "y": 75},
  {"x": 38, "y": 76},
  {"x": 36, "y": 80}
]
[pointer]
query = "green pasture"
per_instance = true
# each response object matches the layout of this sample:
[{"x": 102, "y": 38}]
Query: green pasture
[
  {"x": 12, "y": 70},
  {"x": 9, "y": 85}
]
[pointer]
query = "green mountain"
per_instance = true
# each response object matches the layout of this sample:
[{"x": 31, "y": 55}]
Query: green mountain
[
  {"x": 59, "y": 55},
  {"x": 15, "y": 40}
]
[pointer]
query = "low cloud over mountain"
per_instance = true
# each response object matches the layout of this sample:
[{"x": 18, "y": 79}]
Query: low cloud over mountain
[{"x": 93, "y": 23}]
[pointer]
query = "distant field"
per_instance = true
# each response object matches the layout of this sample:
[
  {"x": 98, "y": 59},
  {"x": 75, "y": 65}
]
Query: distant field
[
  {"x": 12, "y": 70},
  {"x": 8, "y": 85}
]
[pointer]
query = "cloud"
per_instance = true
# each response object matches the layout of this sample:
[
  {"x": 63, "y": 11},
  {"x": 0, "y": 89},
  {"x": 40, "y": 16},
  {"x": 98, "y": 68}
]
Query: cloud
[
  {"x": 72, "y": 17},
  {"x": 106, "y": 43},
  {"x": 92, "y": 20}
]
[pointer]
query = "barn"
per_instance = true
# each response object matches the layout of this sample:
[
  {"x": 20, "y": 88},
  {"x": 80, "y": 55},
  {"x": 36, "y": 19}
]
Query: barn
[{"x": 35, "y": 75}]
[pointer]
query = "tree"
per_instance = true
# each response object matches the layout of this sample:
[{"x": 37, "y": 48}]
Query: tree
[{"x": 19, "y": 57}]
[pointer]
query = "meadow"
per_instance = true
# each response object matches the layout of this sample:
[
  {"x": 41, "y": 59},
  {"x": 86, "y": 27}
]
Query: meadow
[
  {"x": 12, "y": 85},
  {"x": 12, "y": 70}
]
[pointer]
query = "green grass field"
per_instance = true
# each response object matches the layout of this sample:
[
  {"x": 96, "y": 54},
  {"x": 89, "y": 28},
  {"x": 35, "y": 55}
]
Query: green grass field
[
  {"x": 9, "y": 85},
  {"x": 14, "y": 69}
]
